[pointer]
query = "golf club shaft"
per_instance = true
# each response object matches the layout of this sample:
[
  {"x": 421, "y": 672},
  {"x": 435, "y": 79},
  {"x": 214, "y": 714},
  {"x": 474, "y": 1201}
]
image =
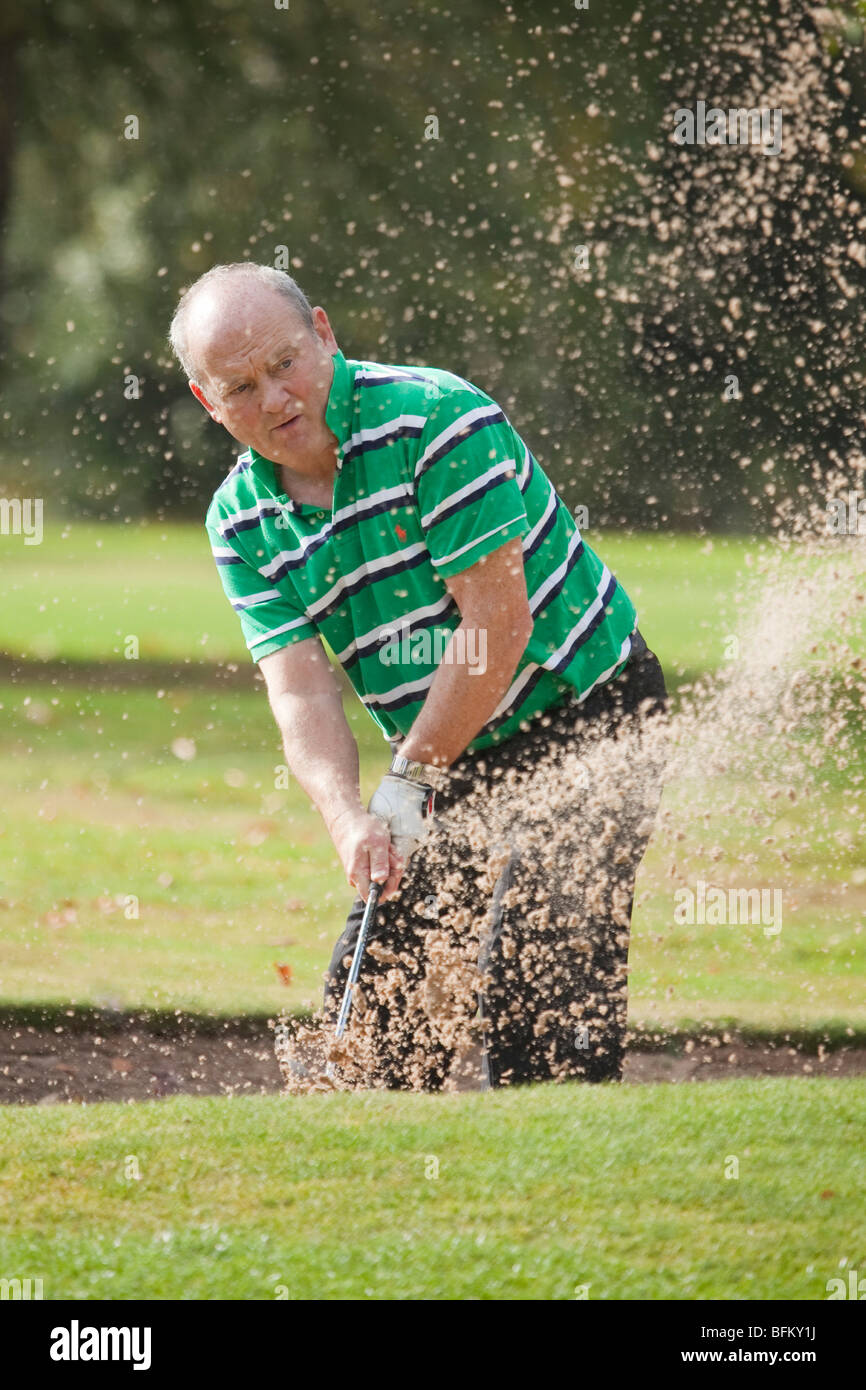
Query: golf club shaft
[{"x": 360, "y": 945}]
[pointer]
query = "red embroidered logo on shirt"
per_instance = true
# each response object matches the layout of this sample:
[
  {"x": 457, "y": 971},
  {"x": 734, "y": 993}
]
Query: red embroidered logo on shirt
[{"x": 400, "y": 532}]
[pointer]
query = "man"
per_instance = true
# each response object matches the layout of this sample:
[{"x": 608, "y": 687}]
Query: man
[{"x": 396, "y": 513}]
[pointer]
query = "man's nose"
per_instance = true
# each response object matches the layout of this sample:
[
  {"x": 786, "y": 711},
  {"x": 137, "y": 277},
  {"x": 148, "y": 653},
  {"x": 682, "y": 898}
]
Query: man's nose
[{"x": 275, "y": 397}]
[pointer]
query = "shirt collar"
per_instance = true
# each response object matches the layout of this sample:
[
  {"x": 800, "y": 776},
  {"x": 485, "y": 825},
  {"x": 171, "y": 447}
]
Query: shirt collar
[
  {"x": 338, "y": 417},
  {"x": 340, "y": 407}
]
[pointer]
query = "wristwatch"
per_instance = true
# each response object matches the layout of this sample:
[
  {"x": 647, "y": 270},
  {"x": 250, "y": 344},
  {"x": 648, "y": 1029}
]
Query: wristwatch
[{"x": 423, "y": 773}]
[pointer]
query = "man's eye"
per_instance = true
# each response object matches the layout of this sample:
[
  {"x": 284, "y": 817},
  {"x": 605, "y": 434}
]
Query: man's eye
[
  {"x": 287, "y": 362},
  {"x": 242, "y": 387}
]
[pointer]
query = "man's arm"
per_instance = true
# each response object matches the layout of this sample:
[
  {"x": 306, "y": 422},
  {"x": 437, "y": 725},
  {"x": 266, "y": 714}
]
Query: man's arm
[
  {"x": 492, "y": 599},
  {"x": 323, "y": 755}
]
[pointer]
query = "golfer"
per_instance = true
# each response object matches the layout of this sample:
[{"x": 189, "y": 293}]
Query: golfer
[{"x": 395, "y": 512}]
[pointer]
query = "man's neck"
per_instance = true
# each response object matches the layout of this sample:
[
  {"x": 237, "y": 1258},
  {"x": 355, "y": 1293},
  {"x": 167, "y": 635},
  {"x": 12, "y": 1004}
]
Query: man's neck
[{"x": 316, "y": 488}]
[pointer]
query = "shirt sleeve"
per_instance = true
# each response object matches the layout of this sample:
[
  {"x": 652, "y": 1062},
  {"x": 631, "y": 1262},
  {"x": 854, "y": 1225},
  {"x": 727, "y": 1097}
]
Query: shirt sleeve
[
  {"x": 466, "y": 481},
  {"x": 270, "y": 618}
]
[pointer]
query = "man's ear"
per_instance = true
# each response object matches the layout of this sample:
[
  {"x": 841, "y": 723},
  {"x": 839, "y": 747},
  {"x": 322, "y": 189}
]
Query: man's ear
[
  {"x": 203, "y": 400},
  {"x": 323, "y": 330}
]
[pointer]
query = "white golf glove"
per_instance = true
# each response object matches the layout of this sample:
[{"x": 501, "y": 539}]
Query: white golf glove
[{"x": 406, "y": 808}]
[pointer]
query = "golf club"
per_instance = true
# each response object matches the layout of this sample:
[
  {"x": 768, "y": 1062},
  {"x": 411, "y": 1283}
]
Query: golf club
[{"x": 355, "y": 970}]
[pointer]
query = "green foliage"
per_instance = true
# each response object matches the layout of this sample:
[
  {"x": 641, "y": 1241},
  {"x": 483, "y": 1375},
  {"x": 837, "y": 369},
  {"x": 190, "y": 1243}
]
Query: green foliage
[{"x": 260, "y": 128}]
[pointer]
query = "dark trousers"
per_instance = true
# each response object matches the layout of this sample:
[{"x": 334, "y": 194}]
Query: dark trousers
[{"x": 519, "y": 937}]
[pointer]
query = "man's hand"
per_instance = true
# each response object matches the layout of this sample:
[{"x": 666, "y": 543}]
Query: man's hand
[
  {"x": 406, "y": 808},
  {"x": 366, "y": 852}
]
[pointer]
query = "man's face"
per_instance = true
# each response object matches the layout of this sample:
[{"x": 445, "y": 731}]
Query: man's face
[{"x": 264, "y": 375}]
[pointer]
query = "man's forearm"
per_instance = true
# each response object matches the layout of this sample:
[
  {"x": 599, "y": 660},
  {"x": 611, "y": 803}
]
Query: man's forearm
[
  {"x": 462, "y": 698},
  {"x": 321, "y": 752}
]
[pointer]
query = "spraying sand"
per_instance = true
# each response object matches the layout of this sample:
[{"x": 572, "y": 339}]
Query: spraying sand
[{"x": 784, "y": 710}]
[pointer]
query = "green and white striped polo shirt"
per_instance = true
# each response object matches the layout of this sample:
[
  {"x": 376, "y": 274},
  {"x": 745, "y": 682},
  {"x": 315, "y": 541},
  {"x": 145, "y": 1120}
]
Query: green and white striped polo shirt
[{"x": 431, "y": 476}]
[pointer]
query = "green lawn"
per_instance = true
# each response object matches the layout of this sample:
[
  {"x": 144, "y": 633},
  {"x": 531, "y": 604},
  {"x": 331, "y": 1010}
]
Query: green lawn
[
  {"x": 163, "y": 803},
  {"x": 232, "y": 875},
  {"x": 541, "y": 1193},
  {"x": 150, "y": 860},
  {"x": 87, "y": 588}
]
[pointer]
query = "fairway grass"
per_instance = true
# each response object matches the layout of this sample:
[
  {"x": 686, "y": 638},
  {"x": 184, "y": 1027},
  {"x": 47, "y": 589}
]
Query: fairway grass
[
  {"x": 154, "y": 859},
  {"x": 137, "y": 879},
  {"x": 88, "y": 587},
  {"x": 549, "y": 1192}
]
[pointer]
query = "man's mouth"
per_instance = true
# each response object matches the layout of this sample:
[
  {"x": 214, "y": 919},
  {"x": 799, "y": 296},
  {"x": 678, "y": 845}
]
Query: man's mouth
[{"x": 287, "y": 423}]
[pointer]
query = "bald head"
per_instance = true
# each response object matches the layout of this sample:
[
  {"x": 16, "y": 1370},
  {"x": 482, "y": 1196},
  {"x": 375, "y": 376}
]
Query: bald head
[{"x": 229, "y": 299}]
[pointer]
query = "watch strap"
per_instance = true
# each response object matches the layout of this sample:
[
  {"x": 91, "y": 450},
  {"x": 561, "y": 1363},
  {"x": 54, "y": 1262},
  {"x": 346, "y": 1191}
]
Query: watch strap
[{"x": 425, "y": 774}]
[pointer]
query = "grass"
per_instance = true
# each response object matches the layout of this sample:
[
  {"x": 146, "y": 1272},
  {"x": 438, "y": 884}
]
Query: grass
[
  {"x": 152, "y": 858},
  {"x": 231, "y": 876},
  {"x": 541, "y": 1193},
  {"x": 87, "y": 587},
  {"x": 135, "y": 878}
]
